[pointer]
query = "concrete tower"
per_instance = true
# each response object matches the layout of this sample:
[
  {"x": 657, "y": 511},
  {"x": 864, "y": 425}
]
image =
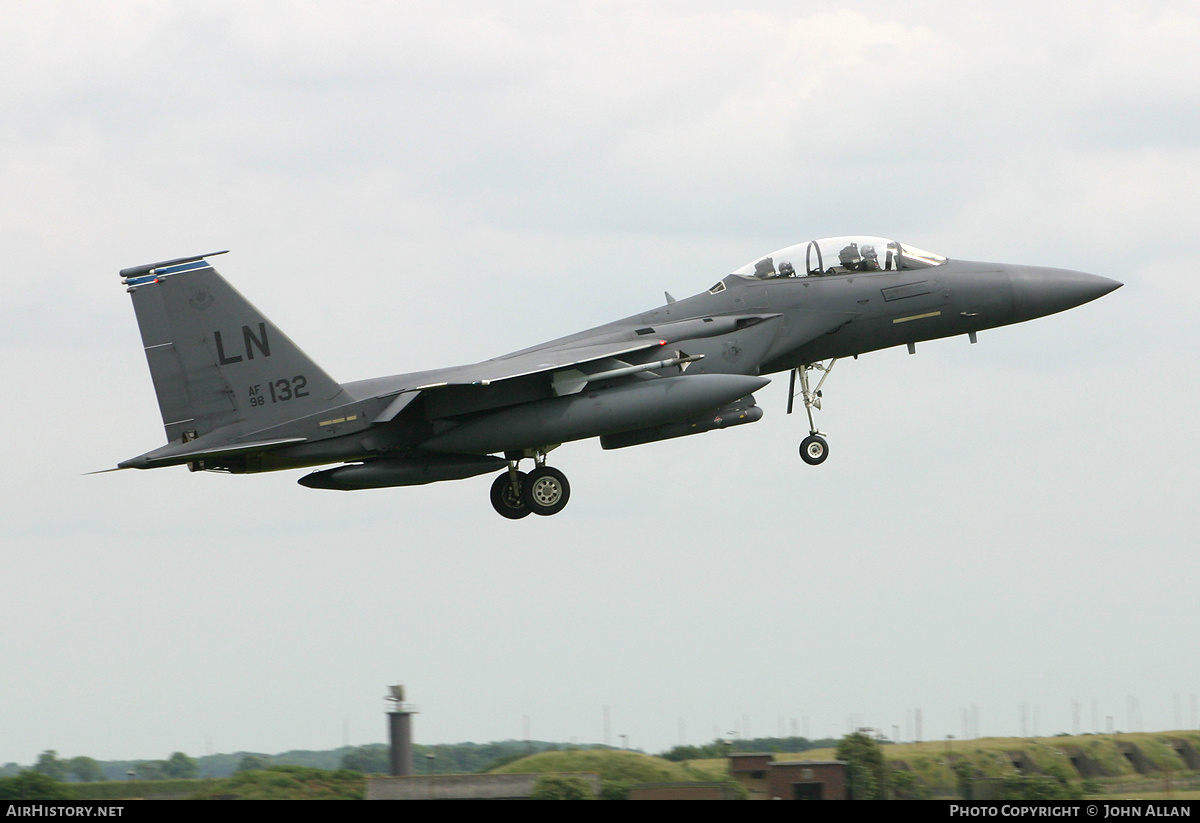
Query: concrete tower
[{"x": 400, "y": 731}]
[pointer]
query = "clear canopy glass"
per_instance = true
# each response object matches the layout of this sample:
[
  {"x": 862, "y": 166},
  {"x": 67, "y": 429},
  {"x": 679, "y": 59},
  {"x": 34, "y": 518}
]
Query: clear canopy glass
[{"x": 840, "y": 255}]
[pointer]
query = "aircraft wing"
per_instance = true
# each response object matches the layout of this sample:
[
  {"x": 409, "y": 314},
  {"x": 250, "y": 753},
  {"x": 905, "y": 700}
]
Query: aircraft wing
[
  {"x": 522, "y": 365},
  {"x": 406, "y": 388}
]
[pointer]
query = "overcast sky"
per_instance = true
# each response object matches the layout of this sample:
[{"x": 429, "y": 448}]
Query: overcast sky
[{"x": 413, "y": 185}]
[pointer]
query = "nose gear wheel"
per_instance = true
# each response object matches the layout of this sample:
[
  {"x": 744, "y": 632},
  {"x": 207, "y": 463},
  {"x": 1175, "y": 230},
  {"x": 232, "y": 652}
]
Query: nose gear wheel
[{"x": 813, "y": 449}]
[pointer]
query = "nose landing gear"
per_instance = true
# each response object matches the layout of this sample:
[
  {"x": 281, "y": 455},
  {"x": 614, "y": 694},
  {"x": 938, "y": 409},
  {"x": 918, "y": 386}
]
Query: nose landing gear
[{"x": 813, "y": 449}]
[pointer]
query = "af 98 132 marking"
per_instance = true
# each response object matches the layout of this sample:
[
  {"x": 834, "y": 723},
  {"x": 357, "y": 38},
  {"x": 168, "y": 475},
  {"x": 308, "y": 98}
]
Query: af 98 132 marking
[{"x": 279, "y": 391}]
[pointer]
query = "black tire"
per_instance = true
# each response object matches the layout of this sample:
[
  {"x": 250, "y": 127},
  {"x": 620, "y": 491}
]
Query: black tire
[
  {"x": 505, "y": 502},
  {"x": 545, "y": 491},
  {"x": 814, "y": 450}
]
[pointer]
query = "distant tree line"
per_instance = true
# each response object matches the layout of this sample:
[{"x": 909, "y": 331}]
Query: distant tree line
[{"x": 89, "y": 770}]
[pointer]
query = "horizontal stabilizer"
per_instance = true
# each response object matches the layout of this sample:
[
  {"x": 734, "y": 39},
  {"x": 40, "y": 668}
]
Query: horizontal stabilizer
[{"x": 176, "y": 454}]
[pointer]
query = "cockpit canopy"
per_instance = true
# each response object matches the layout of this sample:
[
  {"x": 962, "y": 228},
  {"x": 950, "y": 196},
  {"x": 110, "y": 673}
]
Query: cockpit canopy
[{"x": 840, "y": 255}]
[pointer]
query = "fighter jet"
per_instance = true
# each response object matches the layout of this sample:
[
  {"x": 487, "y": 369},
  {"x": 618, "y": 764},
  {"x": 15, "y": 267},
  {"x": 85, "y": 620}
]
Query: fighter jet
[{"x": 236, "y": 395}]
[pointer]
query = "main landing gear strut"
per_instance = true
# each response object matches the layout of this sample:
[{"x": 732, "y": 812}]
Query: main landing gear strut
[
  {"x": 813, "y": 449},
  {"x": 544, "y": 490}
]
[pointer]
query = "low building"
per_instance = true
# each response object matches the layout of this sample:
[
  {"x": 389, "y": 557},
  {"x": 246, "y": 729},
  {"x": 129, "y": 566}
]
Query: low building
[
  {"x": 808, "y": 780},
  {"x": 750, "y": 769},
  {"x": 768, "y": 779}
]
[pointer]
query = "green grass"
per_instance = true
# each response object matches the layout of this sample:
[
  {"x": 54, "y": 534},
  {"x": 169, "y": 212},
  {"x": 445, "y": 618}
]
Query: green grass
[
  {"x": 628, "y": 767},
  {"x": 129, "y": 789},
  {"x": 288, "y": 783},
  {"x": 1185, "y": 795},
  {"x": 989, "y": 756}
]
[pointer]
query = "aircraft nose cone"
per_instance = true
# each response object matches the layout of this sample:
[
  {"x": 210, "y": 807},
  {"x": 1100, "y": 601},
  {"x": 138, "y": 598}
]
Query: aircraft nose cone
[{"x": 1038, "y": 292}]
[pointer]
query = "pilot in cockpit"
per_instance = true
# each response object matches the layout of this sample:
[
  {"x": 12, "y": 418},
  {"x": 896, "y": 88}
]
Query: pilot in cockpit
[
  {"x": 870, "y": 259},
  {"x": 764, "y": 268},
  {"x": 850, "y": 258}
]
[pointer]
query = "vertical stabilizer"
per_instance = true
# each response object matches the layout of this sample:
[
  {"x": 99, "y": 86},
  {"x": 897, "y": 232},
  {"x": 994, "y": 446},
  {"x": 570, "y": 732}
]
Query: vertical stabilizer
[{"x": 216, "y": 360}]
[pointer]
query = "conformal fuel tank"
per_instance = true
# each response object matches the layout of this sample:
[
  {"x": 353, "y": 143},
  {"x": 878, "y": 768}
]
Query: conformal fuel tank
[{"x": 634, "y": 405}]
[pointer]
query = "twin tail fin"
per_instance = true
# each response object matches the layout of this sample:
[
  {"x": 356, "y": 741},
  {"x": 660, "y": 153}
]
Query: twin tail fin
[{"x": 216, "y": 361}]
